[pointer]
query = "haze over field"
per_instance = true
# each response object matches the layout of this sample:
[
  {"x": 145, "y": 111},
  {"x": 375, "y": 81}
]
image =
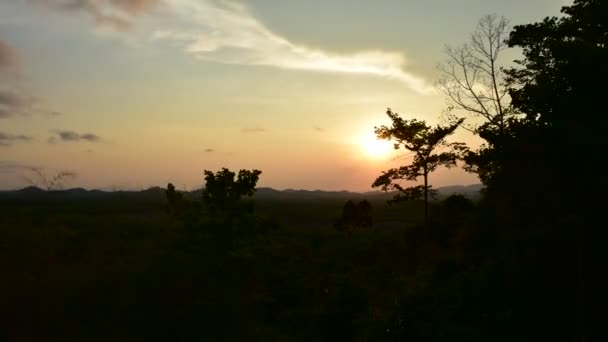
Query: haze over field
[{"x": 134, "y": 93}]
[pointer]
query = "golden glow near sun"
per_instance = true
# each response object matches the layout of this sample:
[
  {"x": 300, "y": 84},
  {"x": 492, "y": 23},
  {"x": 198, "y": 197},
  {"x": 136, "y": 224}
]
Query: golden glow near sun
[{"x": 374, "y": 147}]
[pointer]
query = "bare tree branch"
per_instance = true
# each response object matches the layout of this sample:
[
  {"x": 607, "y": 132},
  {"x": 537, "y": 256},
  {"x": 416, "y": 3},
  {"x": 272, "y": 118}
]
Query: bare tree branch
[
  {"x": 471, "y": 78},
  {"x": 37, "y": 177}
]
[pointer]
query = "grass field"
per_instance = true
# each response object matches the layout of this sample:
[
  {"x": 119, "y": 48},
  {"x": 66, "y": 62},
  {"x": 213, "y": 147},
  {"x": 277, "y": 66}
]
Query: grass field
[{"x": 120, "y": 269}]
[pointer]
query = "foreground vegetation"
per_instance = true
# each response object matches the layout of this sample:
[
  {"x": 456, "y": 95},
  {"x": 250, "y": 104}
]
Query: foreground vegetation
[{"x": 127, "y": 270}]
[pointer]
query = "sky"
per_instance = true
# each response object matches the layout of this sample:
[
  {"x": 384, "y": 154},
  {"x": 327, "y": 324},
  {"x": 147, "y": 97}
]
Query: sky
[{"x": 130, "y": 94}]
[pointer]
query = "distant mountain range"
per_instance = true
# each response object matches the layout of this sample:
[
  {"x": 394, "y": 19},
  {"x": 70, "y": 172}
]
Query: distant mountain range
[{"x": 471, "y": 191}]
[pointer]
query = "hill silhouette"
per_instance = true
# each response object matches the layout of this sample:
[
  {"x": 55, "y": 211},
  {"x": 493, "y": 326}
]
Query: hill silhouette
[{"x": 32, "y": 192}]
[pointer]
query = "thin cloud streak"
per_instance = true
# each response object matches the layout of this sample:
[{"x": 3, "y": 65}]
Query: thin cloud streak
[
  {"x": 71, "y": 136},
  {"x": 7, "y": 139},
  {"x": 226, "y": 32},
  {"x": 253, "y": 130},
  {"x": 117, "y": 14}
]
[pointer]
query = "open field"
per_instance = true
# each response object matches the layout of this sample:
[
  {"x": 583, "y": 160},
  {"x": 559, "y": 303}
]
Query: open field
[{"x": 120, "y": 268}]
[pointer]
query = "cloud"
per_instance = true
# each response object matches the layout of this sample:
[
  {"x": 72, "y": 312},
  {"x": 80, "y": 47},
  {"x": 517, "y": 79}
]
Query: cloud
[
  {"x": 226, "y": 32},
  {"x": 117, "y": 14},
  {"x": 15, "y": 98},
  {"x": 253, "y": 130},
  {"x": 90, "y": 137},
  {"x": 9, "y": 58},
  {"x": 7, "y": 139},
  {"x": 71, "y": 136},
  {"x": 15, "y": 102}
]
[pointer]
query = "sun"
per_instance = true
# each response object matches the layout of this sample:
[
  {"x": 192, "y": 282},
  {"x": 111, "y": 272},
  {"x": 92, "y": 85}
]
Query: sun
[{"x": 375, "y": 148}]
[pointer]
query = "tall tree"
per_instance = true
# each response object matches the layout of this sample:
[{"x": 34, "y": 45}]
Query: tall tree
[
  {"x": 558, "y": 86},
  {"x": 472, "y": 78},
  {"x": 423, "y": 141}
]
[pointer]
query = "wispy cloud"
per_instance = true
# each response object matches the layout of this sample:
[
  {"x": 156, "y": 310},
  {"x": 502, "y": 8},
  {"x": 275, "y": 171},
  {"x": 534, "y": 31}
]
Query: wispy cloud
[
  {"x": 227, "y": 32},
  {"x": 15, "y": 98},
  {"x": 7, "y": 139},
  {"x": 71, "y": 136},
  {"x": 117, "y": 14},
  {"x": 12, "y": 101},
  {"x": 15, "y": 102},
  {"x": 253, "y": 130}
]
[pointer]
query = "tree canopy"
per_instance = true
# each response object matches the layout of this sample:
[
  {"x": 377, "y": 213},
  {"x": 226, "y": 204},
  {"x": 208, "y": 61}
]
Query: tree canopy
[{"x": 223, "y": 192}]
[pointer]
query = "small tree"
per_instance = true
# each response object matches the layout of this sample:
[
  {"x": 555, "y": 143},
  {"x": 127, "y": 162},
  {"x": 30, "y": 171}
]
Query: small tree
[
  {"x": 39, "y": 178},
  {"x": 355, "y": 216},
  {"x": 222, "y": 193},
  {"x": 364, "y": 214},
  {"x": 221, "y": 205},
  {"x": 422, "y": 140}
]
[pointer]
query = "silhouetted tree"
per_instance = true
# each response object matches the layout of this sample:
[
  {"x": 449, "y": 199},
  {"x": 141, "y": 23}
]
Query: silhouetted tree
[
  {"x": 37, "y": 177},
  {"x": 422, "y": 140},
  {"x": 558, "y": 87},
  {"x": 347, "y": 219},
  {"x": 472, "y": 78},
  {"x": 364, "y": 214},
  {"x": 223, "y": 193},
  {"x": 477, "y": 87},
  {"x": 226, "y": 209},
  {"x": 355, "y": 216},
  {"x": 175, "y": 200},
  {"x": 222, "y": 210}
]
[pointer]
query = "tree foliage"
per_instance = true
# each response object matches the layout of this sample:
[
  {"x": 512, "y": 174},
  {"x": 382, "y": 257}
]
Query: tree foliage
[
  {"x": 557, "y": 145},
  {"x": 225, "y": 208},
  {"x": 223, "y": 193},
  {"x": 556, "y": 87}
]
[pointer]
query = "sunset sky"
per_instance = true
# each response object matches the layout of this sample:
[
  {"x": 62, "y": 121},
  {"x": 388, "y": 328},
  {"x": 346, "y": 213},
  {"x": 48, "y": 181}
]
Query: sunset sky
[{"x": 137, "y": 93}]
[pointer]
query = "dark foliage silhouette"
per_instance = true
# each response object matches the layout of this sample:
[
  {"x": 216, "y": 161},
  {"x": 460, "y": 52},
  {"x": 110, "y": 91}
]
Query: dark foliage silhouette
[
  {"x": 223, "y": 194},
  {"x": 556, "y": 86},
  {"x": 355, "y": 216},
  {"x": 422, "y": 141},
  {"x": 225, "y": 210}
]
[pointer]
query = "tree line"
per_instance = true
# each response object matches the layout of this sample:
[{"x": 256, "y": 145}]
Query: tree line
[{"x": 541, "y": 122}]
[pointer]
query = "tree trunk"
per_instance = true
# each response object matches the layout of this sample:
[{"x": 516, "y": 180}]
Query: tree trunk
[{"x": 426, "y": 197}]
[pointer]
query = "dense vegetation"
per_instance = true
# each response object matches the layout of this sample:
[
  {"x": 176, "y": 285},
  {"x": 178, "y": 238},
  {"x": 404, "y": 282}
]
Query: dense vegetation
[{"x": 517, "y": 265}]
